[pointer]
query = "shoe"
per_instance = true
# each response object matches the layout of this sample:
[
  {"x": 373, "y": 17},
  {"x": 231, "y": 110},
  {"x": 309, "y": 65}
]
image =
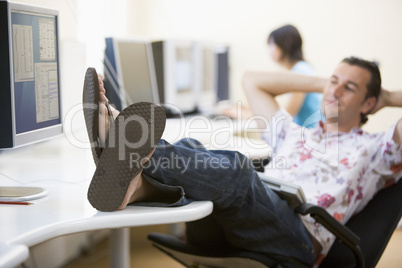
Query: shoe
[
  {"x": 90, "y": 100},
  {"x": 134, "y": 135}
]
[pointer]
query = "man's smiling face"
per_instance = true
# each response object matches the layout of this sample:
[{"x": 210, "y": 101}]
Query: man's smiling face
[{"x": 344, "y": 96}]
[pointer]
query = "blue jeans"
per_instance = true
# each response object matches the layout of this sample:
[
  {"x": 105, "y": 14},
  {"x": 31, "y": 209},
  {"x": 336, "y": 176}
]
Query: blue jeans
[{"x": 247, "y": 213}]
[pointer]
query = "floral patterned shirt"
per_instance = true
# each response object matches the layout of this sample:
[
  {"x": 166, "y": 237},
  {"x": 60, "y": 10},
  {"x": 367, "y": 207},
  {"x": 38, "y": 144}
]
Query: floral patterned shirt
[{"x": 340, "y": 172}]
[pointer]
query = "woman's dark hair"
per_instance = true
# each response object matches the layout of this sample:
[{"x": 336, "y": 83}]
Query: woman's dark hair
[
  {"x": 374, "y": 85},
  {"x": 289, "y": 40}
]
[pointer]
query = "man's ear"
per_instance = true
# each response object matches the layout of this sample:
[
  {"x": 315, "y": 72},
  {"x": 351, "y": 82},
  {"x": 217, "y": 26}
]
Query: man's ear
[{"x": 369, "y": 105}]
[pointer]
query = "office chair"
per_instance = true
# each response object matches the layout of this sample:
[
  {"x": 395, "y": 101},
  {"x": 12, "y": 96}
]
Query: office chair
[{"x": 360, "y": 243}]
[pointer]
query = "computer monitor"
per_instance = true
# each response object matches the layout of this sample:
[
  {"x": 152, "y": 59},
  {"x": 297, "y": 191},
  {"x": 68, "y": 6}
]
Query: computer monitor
[
  {"x": 175, "y": 65},
  {"x": 206, "y": 77},
  {"x": 213, "y": 76},
  {"x": 30, "y": 97},
  {"x": 129, "y": 72},
  {"x": 222, "y": 73}
]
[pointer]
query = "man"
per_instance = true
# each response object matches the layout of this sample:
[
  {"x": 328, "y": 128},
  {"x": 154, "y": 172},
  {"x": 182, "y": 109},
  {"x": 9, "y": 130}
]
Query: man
[
  {"x": 355, "y": 164},
  {"x": 247, "y": 213}
]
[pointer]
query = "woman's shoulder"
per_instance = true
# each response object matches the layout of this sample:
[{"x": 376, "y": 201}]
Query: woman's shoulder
[{"x": 303, "y": 67}]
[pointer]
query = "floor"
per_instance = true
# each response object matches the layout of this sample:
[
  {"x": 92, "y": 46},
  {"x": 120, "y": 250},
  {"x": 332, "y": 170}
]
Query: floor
[{"x": 143, "y": 255}]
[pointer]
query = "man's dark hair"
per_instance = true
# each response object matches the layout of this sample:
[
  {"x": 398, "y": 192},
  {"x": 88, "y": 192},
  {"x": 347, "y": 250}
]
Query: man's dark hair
[
  {"x": 288, "y": 39},
  {"x": 374, "y": 85}
]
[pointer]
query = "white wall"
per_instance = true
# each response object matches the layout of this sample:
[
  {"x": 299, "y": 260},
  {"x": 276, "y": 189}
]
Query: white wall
[{"x": 331, "y": 30}]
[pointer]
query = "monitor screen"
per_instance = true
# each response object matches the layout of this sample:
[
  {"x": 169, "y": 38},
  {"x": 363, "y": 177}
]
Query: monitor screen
[
  {"x": 222, "y": 73},
  {"x": 184, "y": 70},
  {"x": 33, "y": 88},
  {"x": 208, "y": 70},
  {"x": 130, "y": 64},
  {"x": 176, "y": 71}
]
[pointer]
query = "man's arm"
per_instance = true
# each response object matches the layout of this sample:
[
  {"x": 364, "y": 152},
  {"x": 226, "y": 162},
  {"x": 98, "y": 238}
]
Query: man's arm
[
  {"x": 262, "y": 87},
  {"x": 391, "y": 99},
  {"x": 398, "y": 132},
  {"x": 295, "y": 102}
]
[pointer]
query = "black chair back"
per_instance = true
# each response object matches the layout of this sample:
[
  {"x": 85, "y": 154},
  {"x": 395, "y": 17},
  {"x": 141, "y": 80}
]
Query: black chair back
[{"x": 374, "y": 225}]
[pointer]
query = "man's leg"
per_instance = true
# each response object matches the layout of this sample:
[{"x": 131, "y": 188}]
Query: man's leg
[{"x": 251, "y": 215}]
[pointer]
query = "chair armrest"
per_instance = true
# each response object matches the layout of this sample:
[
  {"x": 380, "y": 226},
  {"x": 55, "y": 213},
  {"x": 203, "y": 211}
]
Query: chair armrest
[
  {"x": 290, "y": 192},
  {"x": 293, "y": 194},
  {"x": 343, "y": 233}
]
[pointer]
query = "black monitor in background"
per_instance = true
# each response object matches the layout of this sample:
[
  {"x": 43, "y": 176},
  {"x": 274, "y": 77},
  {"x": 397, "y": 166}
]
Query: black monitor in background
[
  {"x": 129, "y": 72},
  {"x": 222, "y": 73},
  {"x": 30, "y": 97},
  {"x": 213, "y": 76}
]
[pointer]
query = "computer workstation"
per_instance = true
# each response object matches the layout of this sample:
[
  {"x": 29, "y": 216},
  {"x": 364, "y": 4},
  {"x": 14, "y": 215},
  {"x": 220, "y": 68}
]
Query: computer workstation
[
  {"x": 30, "y": 94},
  {"x": 35, "y": 153},
  {"x": 189, "y": 79},
  {"x": 30, "y": 79},
  {"x": 184, "y": 77}
]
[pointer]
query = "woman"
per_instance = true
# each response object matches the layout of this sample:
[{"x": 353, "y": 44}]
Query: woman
[{"x": 285, "y": 47}]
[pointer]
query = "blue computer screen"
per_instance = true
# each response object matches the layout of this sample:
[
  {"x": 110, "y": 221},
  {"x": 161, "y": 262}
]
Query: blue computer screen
[{"x": 35, "y": 71}]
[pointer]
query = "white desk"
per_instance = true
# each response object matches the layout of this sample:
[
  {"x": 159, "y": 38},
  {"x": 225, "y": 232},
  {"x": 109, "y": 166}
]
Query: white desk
[
  {"x": 12, "y": 255},
  {"x": 220, "y": 134},
  {"x": 65, "y": 170},
  {"x": 63, "y": 213}
]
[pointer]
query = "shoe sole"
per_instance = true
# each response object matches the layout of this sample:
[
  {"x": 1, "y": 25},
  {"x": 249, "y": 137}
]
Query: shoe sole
[
  {"x": 135, "y": 133},
  {"x": 90, "y": 100}
]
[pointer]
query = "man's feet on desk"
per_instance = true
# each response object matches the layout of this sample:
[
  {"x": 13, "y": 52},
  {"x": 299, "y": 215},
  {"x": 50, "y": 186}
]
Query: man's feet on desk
[{"x": 135, "y": 130}]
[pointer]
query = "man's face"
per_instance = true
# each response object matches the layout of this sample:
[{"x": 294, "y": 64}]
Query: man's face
[{"x": 344, "y": 95}]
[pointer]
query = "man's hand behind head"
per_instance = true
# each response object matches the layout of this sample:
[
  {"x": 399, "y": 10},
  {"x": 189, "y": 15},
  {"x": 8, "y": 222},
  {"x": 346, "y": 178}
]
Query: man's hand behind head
[
  {"x": 388, "y": 99},
  {"x": 381, "y": 101}
]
